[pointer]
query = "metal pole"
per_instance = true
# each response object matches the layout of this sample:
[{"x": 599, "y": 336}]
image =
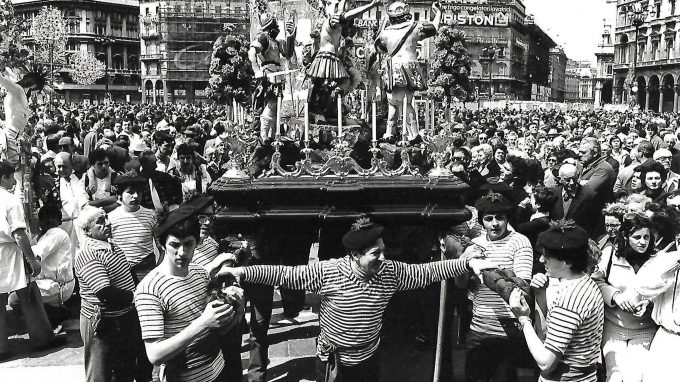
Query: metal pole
[
  {"x": 51, "y": 74},
  {"x": 637, "y": 31}
]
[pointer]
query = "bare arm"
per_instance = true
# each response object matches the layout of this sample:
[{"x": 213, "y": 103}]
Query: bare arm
[
  {"x": 24, "y": 244},
  {"x": 252, "y": 56},
  {"x": 214, "y": 317}
]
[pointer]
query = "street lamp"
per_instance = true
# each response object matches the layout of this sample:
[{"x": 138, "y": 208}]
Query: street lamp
[
  {"x": 488, "y": 55},
  {"x": 106, "y": 41},
  {"x": 49, "y": 29},
  {"x": 637, "y": 17}
]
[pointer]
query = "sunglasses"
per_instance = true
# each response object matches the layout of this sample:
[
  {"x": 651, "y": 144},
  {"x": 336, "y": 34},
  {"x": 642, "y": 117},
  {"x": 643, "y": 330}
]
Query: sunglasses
[{"x": 490, "y": 218}]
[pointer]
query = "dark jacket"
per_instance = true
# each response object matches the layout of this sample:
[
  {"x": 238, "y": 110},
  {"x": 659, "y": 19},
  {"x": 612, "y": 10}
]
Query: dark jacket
[{"x": 583, "y": 209}]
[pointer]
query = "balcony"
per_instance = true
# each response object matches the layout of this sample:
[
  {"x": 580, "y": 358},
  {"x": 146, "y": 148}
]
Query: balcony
[
  {"x": 649, "y": 63},
  {"x": 124, "y": 72},
  {"x": 147, "y": 35}
]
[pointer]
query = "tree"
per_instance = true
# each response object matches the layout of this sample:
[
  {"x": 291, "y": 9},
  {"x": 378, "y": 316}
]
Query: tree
[
  {"x": 450, "y": 67},
  {"x": 230, "y": 70}
]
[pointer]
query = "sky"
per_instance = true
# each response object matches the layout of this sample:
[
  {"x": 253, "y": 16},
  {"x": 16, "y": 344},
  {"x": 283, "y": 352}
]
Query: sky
[{"x": 574, "y": 24}]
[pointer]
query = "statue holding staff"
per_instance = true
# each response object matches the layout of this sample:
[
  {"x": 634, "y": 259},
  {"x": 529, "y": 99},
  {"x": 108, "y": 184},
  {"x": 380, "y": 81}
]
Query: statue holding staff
[{"x": 402, "y": 74}]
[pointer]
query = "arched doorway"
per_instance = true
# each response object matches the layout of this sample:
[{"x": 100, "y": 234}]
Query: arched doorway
[
  {"x": 607, "y": 92},
  {"x": 668, "y": 94},
  {"x": 621, "y": 91},
  {"x": 148, "y": 91},
  {"x": 623, "y": 50},
  {"x": 642, "y": 92},
  {"x": 159, "y": 92},
  {"x": 653, "y": 92}
]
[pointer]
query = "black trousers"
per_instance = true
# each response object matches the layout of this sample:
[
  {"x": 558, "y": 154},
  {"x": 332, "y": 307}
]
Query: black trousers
[{"x": 367, "y": 371}]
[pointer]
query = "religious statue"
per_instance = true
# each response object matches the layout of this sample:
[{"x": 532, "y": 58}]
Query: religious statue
[
  {"x": 328, "y": 73},
  {"x": 266, "y": 54},
  {"x": 402, "y": 74}
]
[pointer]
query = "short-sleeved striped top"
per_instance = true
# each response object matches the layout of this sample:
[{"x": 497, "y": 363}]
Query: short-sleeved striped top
[
  {"x": 352, "y": 306},
  {"x": 168, "y": 304},
  {"x": 512, "y": 252},
  {"x": 97, "y": 267},
  {"x": 206, "y": 252},
  {"x": 575, "y": 320},
  {"x": 132, "y": 232}
]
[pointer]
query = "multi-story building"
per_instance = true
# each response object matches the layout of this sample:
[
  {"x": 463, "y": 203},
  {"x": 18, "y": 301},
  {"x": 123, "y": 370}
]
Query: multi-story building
[
  {"x": 604, "y": 77},
  {"x": 176, "y": 43},
  {"x": 580, "y": 84},
  {"x": 558, "y": 72},
  {"x": 109, "y": 29},
  {"x": 652, "y": 47},
  {"x": 520, "y": 65}
]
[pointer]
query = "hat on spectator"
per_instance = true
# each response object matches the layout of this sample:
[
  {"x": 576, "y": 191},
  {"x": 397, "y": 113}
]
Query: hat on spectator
[
  {"x": 107, "y": 204},
  {"x": 363, "y": 234},
  {"x": 175, "y": 217},
  {"x": 198, "y": 202},
  {"x": 553, "y": 133},
  {"x": 563, "y": 235},
  {"x": 46, "y": 157}
]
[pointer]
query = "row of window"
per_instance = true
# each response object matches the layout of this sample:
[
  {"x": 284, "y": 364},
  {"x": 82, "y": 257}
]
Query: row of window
[{"x": 660, "y": 9}]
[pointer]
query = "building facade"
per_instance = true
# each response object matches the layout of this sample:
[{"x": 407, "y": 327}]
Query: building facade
[
  {"x": 580, "y": 81},
  {"x": 558, "y": 74},
  {"x": 176, "y": 45},
  {"x": 604, "y": 76},
  {"x": 109, "y": 29},
  {"x": 653, "y": 49}
]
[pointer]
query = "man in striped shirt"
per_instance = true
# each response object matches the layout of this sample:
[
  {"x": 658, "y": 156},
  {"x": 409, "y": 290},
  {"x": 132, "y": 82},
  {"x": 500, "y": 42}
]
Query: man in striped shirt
[
  {"x": 356, "y": 290},
  {"x": 575, "y": 317},
  {"x": 108, "y": 323},
  {"x": 132, "y": 225},
  {"x": 493, "y": 341},
  {"x": 177, "y": 317}
]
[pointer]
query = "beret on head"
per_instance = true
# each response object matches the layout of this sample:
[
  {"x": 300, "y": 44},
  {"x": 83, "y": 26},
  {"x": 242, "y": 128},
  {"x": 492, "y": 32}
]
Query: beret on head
[
  {"x": 563, "y": 235},
  {"x": 362, "y": 235},
  {"x": 199, "y": 202},
  {"x": 129, "y": 178},
  {"x": 492, "y": 203},
  {"x": 175, "y": 217}
]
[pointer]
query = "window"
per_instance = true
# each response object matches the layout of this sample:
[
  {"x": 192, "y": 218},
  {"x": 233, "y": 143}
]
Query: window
[
  {"x": 655, "y": 50},
  {"x": 641, "y": 51},
  {"x": 672, "y": 7},
  {"x": 669, "y": 48},
  {"x": 658, "y": 9},
  {"x": 485, "y": 69},
  {"x": 610, "y": 69}
]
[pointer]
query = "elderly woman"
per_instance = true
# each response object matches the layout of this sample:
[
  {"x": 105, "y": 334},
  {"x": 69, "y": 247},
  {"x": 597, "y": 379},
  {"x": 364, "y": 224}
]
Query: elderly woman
[
  {"x": 575, "y": 316},
  {"x": 613, "y": 215},
  {"x": 628, "y": 326}
]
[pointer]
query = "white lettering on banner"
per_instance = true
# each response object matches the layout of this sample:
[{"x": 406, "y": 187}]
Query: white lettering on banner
[
  {"x": 365, "y": 23},
  {"x": 490, "y": 20},
  {"x": 521, "y": 44}
]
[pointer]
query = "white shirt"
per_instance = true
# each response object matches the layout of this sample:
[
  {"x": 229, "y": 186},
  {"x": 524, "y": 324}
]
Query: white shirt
[
  {"x": 54, "y": 249},
  {"x": 73, "y": 197},
  {"x": 12, "y": 272}
]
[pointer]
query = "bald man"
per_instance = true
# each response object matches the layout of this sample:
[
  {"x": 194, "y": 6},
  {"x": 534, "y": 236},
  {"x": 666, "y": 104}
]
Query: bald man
[
  {"x": 575, "y": 201},
  {"x": 72, "y": 196}
]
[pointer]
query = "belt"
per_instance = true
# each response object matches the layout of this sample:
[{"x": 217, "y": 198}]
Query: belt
[{"x": 563, "y": 368}]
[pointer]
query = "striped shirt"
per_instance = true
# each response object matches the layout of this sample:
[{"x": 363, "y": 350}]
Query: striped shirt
[
  {"x": 98, "y": 267},
  {"x": 132, "y": 232},
  {"x": 511, "y": 252},
  {"x": 206, "y": 252},
  {"x": 352, "y": 308},
  {"x": 575, "y": 321},
  {"x": 168, "y": 304}
]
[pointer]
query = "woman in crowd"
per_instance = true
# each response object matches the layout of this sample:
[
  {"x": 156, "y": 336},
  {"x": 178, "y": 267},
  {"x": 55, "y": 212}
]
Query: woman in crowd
[
  {"x": 192, "y": 174},
  {"x": 628, "y": 326},
  {"x": 99, "y": 177},
  {"x": 652, "y": 177},
  {"x": 613, "y": 214}
]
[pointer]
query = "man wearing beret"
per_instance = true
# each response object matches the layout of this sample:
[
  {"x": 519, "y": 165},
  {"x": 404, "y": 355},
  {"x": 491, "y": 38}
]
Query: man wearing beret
[
  {"x": 493, "y": 341},
  {"x": 355, "y": 291},
  {"x": 180, "y": 319},
  {"x": 575, "y": 318}
]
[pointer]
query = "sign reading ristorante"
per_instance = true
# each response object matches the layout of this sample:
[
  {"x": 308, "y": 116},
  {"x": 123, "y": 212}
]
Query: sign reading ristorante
[{"x": 476, "y": 14}]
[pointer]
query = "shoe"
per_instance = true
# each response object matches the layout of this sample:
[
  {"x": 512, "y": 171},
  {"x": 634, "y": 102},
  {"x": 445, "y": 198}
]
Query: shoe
[{"x": 57, "y": 341}]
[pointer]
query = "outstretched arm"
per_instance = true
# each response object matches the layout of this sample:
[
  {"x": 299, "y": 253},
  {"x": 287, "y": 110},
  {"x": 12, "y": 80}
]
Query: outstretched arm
[{"x": 354, "y": 13}]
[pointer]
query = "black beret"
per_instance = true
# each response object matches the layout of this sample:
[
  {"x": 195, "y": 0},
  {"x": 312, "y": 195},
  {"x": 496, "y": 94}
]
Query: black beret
[
  {"x": 199, "y": 202},
  {"x": 128, "y": 178},
  {"x": 492, "y": 203},
  {"x": 175, "y": 217},
  {"x": 563, "y": 235},
  {"x": 362, "y": 235},
  {"x": 107, "y": 204}
]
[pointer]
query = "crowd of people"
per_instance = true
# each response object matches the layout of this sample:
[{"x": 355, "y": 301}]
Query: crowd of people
[{"x": 582, "y": 207}]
